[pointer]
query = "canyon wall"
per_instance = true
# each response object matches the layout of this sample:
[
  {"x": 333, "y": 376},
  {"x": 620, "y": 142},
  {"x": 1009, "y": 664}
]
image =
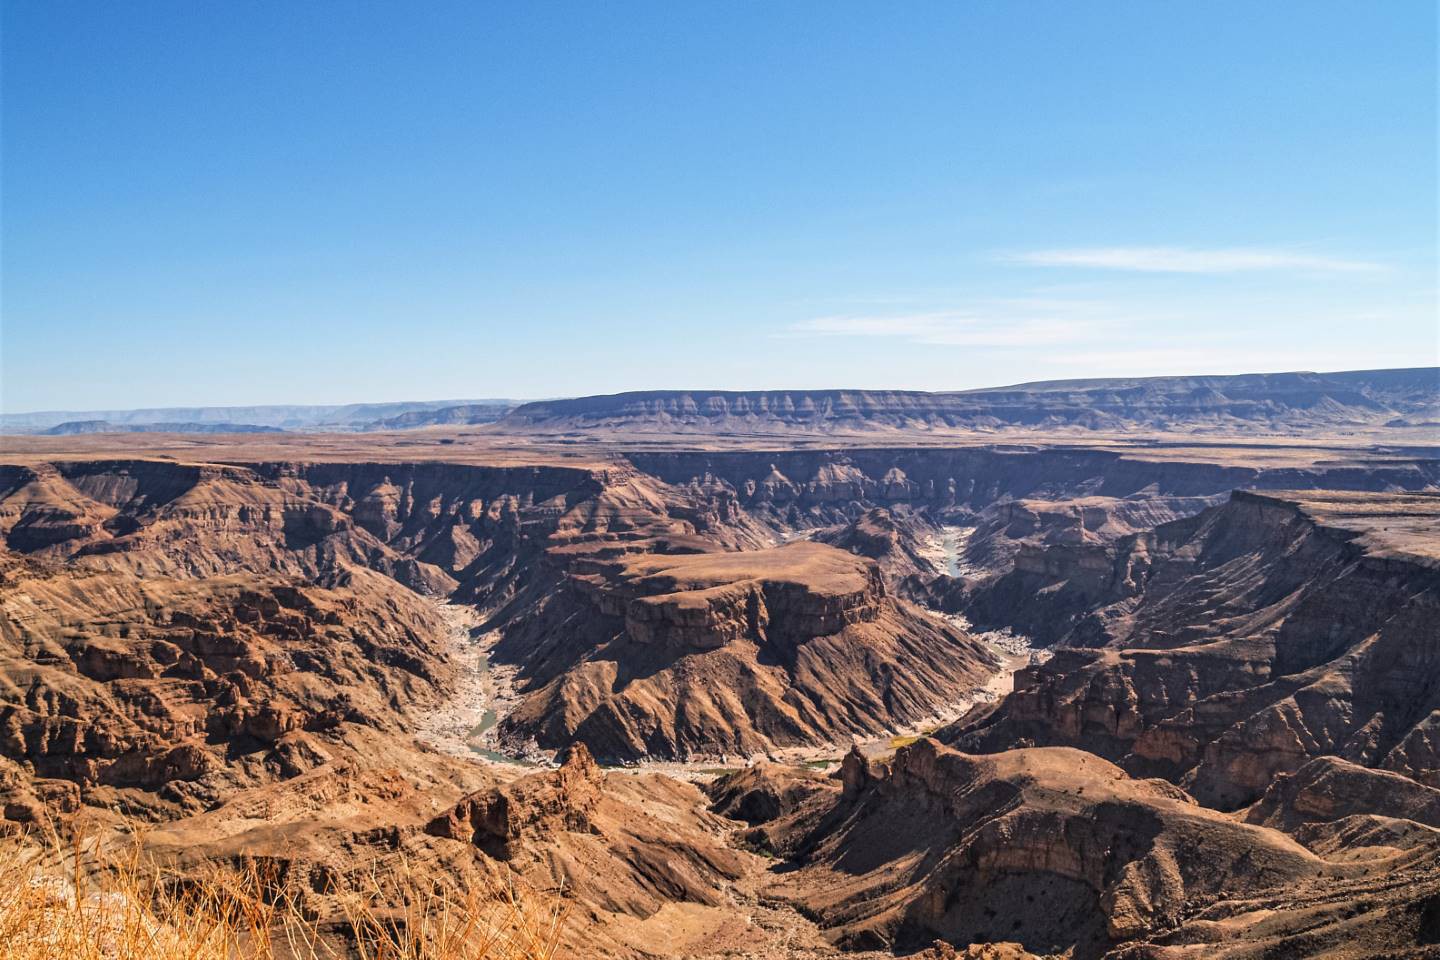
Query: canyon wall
[{"x": 1223, "y": 649}]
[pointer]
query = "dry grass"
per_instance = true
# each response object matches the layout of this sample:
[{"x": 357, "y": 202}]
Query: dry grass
[{"x": 81, "y": 904}]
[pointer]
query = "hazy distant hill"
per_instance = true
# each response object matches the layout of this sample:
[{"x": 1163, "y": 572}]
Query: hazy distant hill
[
  {"x": 1271, "y": 401},
  {"x": 72, "y": 427},
  {"x": 1283, "y": 402},
  {"x": 469, "y": 413},
  {"x": 351, "y": 416}
]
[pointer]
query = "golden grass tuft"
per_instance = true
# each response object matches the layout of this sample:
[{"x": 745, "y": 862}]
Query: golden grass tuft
[{"x": 80, "y": 903}]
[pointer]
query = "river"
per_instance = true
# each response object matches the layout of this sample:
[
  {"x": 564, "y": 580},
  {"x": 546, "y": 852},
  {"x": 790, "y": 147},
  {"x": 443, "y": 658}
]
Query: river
[{"x": 466, "y": 726}]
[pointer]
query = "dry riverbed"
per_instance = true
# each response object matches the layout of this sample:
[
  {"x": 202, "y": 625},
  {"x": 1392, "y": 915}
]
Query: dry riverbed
[{"x": 467, "y": 726}]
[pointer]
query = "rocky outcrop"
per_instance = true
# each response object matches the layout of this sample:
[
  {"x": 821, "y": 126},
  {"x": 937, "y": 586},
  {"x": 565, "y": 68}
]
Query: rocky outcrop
[
  {"x": 727, "y": 653},
  {"x": 941, "y": 950},
  {"x": 502, "y": 819},
  {"x": 592, "y": 833},
  {"x": 1376, "y": 916},
  {"x": 765, "y": 791},
  {"x": 773, "y": 800},
  {"x": 1235, "y": 645},
  {"x": 894, "y": 539},
  {"x": 1054, "y": 849},
  {"x": 113, "y": 683},
  {"x": 1328, "y": 789},
  {"x": 633, "y": 863},
  {"x": 1074, "y": 527}
]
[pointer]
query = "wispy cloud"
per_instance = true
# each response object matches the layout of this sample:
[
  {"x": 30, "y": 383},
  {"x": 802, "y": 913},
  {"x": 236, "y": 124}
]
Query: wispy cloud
[
  {"x": 1167, "y": 358},
  {"x": 1190, "y": 260},
  {"x": 1006, "y": 324}
]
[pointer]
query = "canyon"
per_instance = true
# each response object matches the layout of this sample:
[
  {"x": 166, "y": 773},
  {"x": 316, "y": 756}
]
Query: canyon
[{"x": 1129, "y": 669}]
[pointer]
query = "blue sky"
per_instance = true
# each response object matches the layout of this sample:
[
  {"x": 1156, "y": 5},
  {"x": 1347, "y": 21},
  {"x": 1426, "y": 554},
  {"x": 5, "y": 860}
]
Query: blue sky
[{"x": 228, "y": 203}]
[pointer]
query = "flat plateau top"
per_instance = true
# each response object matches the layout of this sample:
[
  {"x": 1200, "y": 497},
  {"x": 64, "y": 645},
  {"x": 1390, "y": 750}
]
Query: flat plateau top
[
  {"x": 484, "y": 446},
  {"x": 815, "y": 566},
  {"x": 1395, "y": 525}
]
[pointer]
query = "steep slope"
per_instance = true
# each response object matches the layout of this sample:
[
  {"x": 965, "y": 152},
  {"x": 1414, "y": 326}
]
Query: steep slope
[
  {"x": 584, "y": 831},
  {"x": 802, "y": 489},
  {"x": 1053, "y": 848},
  {"x": 1226, "y": 648},
  {"x": 673, "y": 654},
  {"x": 160, "y": 695},
  {"x": 172, "y": 632},
  {"x": 894, "y": 540},
  {"x": 1054, "y": 851},
  {"x": 432, "y": 527},
  {"x": 637, "y": 866},
  {"x": 1003, "y": 528}
]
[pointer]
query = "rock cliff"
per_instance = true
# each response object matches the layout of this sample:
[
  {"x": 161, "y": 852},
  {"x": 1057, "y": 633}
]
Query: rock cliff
[
  {"x": 1236, "y": 645},
  {"x": 584, "y": 830},
  {"x": 1280, "y": 402},
  {"x": 1052, "y": 848},
  {"x": 163, "y": 694},
  {"x": 713, "y": 653},
  {"x": 241, "y": 649}
]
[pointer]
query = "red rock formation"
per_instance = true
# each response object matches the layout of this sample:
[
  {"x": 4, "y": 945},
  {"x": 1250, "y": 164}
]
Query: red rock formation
[
  {"x": 500, "y": 820},
  {"x": 1052, "y": 848},
  {"x": 729, "y": 653},
  {"x": 1239, "y": 644},
  {"x": 116, "y": 683},
  {"x": 589, "y": 832}
]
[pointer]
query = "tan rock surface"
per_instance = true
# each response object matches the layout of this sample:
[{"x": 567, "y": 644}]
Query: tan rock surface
[
  {"x": 240, "y": 642},
  {"x": 1238, "y": 644},
  {"x": 1052, "y": 848}
]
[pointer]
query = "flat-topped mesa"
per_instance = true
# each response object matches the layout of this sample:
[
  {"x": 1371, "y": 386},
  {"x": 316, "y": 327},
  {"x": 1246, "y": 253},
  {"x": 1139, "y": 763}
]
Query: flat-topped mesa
[
  {"x": 683, "y": 654},
  {"x": 1403, "y": 526},
  {"x": 782, "y": 597},
  {"x": 676, "y": 407},
  {"x": 1281, "y": 401}
]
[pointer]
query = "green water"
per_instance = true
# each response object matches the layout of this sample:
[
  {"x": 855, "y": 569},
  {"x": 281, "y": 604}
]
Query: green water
[
  {"x": 497, "y": 757},
  {"x": 487, "y": 720},
  {"x": 951, "y": 544}
]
